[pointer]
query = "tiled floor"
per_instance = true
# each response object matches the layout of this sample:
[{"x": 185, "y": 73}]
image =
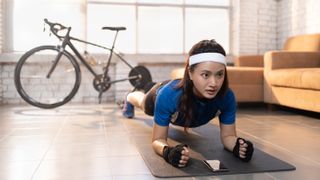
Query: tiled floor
[{"x": 90, "y": 142}]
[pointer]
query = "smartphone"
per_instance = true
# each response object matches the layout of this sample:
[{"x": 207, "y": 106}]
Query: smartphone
[{"x": 215, "y": 165}]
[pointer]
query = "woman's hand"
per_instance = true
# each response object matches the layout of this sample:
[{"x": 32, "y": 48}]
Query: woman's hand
[
  {"x": 243, "y": 149},
  {"x": 184, "y": 157},
  {"x": 177, "y": 156}
]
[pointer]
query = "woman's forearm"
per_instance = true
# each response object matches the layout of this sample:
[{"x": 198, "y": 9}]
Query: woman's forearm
[
  {"x": 158, "y": 145},
  {"x": 159, "y": 138},
  {"x": 229, "y": 141},
  {"x": 228, "y": 135}
]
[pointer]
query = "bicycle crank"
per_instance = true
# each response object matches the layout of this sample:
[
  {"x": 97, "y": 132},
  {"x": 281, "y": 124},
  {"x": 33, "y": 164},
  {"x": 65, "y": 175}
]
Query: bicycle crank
[{"x": 101, "y": 83}]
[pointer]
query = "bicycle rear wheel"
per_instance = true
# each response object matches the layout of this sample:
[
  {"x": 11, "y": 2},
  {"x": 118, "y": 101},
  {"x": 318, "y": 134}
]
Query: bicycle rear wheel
[{"x": 36, "y": 87}]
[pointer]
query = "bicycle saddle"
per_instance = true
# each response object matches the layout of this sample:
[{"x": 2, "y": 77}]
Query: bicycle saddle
[{"x": 114, "y": 28}]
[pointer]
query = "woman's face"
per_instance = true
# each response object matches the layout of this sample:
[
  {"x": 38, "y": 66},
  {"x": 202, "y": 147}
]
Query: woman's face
[{"x": 207, "y": 79}]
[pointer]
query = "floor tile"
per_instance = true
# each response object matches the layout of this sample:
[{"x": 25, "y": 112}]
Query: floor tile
[
  {"x": 74, "y": 168},
  {"x": 20, "y": 170},
  {"x": 78, "y": 142},
  {"x": 128, "y": 165}
]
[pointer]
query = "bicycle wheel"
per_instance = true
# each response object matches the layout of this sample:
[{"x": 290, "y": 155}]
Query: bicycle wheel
[
  {"x": 144, "y": 77},
  {"x": 36, "y": 87}
]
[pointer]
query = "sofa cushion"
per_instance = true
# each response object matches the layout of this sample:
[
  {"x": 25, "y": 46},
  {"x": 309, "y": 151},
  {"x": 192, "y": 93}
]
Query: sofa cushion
[
  {"x": 245, "y": 75},
  {"x": 246, "y": 83},
  {"x": 304, "y": 78}
]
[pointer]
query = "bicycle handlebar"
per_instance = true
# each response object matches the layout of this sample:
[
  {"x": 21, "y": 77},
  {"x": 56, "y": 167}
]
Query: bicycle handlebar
[{"x": 56, "y": 27}]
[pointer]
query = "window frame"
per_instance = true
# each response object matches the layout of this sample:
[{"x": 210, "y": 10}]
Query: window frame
[{"x": 7, "y": 19}]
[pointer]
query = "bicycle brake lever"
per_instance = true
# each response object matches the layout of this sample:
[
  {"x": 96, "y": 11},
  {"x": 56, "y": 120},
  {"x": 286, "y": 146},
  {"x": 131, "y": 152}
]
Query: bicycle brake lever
[{"x": 44, "y": 27}]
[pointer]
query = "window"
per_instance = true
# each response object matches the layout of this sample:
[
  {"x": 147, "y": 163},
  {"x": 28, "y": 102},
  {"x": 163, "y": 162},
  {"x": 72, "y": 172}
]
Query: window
[
  {"x": 156, "y": 27},
  {"x": 27, "y": 21},
  {"x": 161, "y": 2},
  {"x": 160, "y": 30},
  {"x": 100, "y": 15},
  {"x": 168, "y": 26},
  {"x": 199, "y": 26},
  {"x": 208, "y": 2}
]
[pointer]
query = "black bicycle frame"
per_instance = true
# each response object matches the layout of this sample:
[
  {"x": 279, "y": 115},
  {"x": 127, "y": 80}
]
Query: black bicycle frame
[{"x": 67, "y": 42}]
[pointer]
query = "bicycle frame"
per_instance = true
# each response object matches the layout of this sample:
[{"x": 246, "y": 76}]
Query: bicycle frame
[{"x": 67, "y": 41}]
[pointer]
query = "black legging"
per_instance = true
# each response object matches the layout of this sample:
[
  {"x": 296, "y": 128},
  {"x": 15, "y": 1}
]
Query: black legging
[{"x": 150, "y": 98}]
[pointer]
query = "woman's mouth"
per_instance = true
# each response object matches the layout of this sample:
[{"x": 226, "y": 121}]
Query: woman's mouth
[{"x": 211, "y": 92}]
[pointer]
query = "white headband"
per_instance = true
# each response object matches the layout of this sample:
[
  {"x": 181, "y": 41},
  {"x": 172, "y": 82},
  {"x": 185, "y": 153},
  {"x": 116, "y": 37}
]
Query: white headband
[{"x": 203, "y": 57}]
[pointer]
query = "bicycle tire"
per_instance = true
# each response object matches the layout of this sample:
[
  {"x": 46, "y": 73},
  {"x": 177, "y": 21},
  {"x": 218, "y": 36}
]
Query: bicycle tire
[
  {"x": 33, "y": 85},
  {"x": 145, "y": 77}
]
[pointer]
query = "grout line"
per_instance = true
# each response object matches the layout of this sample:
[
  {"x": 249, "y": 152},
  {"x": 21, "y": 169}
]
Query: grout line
[
  {"x": 51, "y": 144},
  {"x": 296, "y": 122},
  {"x": 271, "y": 176},
  {"x": 104, "y": 128},
  {"x": 279, "y": 147},
  {"x": 7, "y": 135}
]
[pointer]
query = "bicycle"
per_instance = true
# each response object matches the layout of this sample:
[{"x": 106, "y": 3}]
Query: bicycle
[{"x": 49, "y": 76}]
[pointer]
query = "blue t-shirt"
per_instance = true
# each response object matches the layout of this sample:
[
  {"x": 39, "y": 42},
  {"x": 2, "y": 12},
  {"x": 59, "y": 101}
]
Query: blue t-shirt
[{"x": 167, "y": 101}]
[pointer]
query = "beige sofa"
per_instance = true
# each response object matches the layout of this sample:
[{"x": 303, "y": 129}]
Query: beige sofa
[
  {"x": 246, "y": 78},
  {"x": 292, "y": 75},
  {"x": 293, "y": 79}
]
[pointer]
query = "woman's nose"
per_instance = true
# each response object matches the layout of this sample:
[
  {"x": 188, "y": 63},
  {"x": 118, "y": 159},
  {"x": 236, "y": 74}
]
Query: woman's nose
[{"x": 212, "y": 81}]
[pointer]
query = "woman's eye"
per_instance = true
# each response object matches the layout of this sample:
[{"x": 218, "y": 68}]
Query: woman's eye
[
  {"x": 205, "y": 75},
  {"x": 220, "y": 74}
]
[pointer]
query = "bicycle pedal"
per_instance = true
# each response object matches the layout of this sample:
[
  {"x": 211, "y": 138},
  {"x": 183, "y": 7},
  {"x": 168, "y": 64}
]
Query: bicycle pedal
[
  {"x": 120, "y": 104},
  {"x": 100, "y": 99}
]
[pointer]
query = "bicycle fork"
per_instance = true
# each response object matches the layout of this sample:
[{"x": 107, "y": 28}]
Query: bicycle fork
[{"x": 55, "y": 62}]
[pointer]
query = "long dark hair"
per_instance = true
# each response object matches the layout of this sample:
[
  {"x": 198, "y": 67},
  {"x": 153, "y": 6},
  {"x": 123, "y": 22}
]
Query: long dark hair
[{"x": 187, "y": 99}]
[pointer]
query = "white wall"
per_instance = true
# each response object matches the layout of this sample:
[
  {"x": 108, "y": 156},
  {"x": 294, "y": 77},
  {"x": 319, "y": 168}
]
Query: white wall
[
  {"x": 259, "y": 26},
  {"x": 297, "y": 17},
  {"x": 254, "y": 24}
]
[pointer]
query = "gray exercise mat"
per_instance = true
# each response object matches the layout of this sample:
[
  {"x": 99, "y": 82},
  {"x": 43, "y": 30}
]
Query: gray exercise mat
[{"x": 204, "y": 143}]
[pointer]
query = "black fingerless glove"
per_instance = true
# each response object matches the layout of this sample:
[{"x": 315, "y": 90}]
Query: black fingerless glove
[
  {"x": 249, "y": 152},
  {"x": 173, "y": 154}
]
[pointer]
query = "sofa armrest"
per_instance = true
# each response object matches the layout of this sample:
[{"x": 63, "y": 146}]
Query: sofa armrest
[
  {"x": 249, "y": 61},
  {"x": 285, "y": 59}
]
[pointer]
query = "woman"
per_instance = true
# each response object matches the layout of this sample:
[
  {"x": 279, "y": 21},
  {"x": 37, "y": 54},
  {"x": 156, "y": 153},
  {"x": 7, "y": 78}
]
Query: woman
[{"x": 193, "y": 101}]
